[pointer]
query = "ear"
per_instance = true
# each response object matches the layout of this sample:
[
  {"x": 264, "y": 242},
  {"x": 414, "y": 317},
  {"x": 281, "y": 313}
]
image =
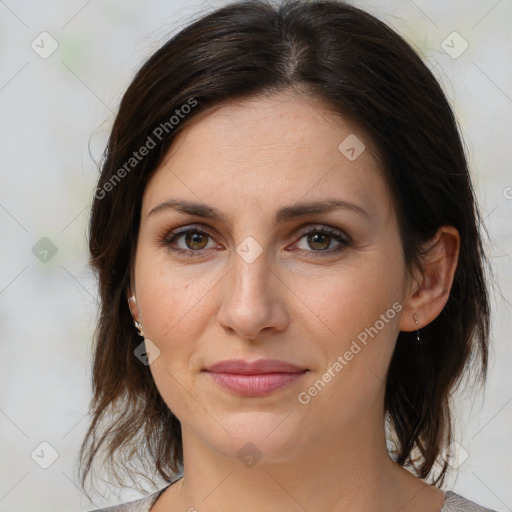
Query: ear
[
  {"x": 430, "y": 289},
  {"x": 132, "y": 304}
]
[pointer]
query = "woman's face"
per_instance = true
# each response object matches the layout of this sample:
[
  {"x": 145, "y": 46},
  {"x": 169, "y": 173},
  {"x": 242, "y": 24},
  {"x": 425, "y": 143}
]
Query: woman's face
[{"x": 263, "y": 274}]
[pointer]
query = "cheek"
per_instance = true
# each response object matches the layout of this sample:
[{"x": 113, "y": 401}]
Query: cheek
[
  {"x": 178, "y": 392},
  {"x": 355, "y": 312},
  {"x": 175, "y": 309},
  {"x": 173, "y": 301},
  {"x": 351, "y": 299},
  {"x": 358, "y": 344}
]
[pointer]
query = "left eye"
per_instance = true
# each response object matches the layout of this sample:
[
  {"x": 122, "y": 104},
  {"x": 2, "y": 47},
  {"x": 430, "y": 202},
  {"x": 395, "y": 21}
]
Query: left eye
[{"x": 320, "y": 239}]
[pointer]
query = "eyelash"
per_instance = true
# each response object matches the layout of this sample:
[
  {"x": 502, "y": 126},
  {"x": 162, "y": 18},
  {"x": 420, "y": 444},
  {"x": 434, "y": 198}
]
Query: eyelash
[{"x": 170, "y": 238}]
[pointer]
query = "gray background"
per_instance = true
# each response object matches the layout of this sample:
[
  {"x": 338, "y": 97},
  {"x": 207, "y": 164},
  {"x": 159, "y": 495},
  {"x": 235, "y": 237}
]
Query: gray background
[{"x": 55, "y": 110}]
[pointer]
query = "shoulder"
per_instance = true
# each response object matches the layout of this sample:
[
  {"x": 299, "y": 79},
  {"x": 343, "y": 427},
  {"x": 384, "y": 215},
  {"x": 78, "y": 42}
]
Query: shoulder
[
  {"x": 140, "y": 505},
  {"x": 455, "y": 503}
]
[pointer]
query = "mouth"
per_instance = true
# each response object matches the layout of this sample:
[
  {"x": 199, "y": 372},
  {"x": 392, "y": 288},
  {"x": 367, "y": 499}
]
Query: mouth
[{"x": 254, "y": 378}]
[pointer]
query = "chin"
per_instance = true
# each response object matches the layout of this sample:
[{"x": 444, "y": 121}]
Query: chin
[{"x": 271, "y": 436}]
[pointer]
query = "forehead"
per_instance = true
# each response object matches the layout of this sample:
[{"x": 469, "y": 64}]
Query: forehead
[{"x": 269, "y": 150}]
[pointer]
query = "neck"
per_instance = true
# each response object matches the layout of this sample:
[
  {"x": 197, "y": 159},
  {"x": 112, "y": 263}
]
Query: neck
[{"x": 352, "y": 473}]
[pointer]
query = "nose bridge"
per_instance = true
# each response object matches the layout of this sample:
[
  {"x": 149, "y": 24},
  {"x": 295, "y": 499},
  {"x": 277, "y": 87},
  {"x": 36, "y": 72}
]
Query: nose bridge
[
  {"x": 250, "y": 277},
  {"x": 250, "y": 302},
  {"x": 250, "y": 263}
]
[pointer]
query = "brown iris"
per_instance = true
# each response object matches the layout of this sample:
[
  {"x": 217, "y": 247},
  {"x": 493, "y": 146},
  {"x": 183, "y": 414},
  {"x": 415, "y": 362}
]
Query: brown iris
[
  {"x": 319, "y": 241},
  {"x": 191, "y": 239}
]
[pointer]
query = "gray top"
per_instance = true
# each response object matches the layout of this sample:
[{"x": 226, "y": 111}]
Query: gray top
[{"x": 453, "y": 503}]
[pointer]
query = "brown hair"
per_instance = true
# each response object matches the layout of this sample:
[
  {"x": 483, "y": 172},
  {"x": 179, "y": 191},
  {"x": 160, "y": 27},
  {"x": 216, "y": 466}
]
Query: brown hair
[{"x": 366, "y": 72}]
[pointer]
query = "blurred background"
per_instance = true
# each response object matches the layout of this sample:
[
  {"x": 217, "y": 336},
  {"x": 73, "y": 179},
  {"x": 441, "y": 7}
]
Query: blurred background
[{"x": 63, "y": 69}]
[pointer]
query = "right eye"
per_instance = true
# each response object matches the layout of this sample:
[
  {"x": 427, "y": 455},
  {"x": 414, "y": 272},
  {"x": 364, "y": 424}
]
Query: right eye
[{"x": 189, "y": 241}]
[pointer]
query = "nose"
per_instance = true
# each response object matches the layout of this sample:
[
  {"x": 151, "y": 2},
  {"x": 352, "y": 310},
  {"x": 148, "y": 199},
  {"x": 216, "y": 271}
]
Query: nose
[{"x": 253, "y": 299}]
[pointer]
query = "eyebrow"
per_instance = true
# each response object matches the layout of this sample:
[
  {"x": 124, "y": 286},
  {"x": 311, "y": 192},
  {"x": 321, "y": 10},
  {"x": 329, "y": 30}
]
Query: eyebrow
[{"x": 285, "y": 213}]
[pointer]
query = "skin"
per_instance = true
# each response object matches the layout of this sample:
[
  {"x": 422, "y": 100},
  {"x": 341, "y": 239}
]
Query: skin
[{"x": 248, "y": 159}]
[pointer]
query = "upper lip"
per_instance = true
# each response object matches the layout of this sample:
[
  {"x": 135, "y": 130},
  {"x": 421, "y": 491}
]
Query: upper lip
[{"x": 241, "y": 366}]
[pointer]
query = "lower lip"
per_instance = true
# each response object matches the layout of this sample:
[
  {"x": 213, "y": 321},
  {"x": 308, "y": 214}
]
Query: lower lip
[{"x": 255, "y": 385}]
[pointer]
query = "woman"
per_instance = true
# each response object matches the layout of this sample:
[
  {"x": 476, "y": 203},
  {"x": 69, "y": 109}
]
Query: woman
[{"x": 290, "y": 268}]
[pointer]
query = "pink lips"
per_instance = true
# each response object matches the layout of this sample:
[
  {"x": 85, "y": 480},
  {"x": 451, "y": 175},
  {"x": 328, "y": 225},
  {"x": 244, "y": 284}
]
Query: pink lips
[{"x": 254, "y": 378}]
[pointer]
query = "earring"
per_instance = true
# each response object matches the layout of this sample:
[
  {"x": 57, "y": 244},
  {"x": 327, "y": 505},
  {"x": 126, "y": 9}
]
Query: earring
[
  {"x": 415, "y": 316},
  {"x": 139, "y": 328},
  {"x": 137, "y": 324}
]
